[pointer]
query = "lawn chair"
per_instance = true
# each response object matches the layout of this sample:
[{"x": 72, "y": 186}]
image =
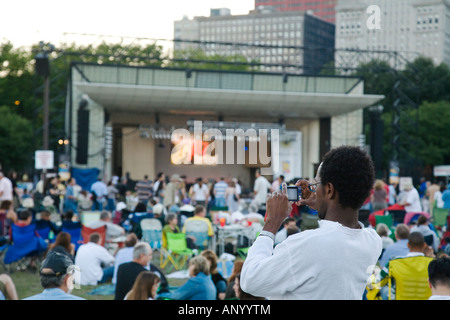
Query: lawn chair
[
  {"x": 25, "y": 243},
  {"x": 440, "y": 216},
  {"x": 387, "y": 220},
  {"x": 198, "y": 230},
  {"x": 86, "y": 232},
  {"x": 75, "y": 234},
  {"x": 152, "y": 232},
  {"x": 177, "y": 253},
  {"x": 398, "y": 216},
  {"x": 411, "y": 278}
]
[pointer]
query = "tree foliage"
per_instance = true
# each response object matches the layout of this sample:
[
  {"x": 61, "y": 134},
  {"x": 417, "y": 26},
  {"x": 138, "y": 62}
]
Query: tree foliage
[{"x": 16, "y": 139}]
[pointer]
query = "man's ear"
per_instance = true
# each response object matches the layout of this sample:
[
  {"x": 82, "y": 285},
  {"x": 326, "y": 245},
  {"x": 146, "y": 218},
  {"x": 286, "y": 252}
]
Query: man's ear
[{"x": 330, "y": 191}]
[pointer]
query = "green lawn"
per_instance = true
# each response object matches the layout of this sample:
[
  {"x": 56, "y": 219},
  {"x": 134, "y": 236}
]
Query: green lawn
[{"x": 27, "y": 284}]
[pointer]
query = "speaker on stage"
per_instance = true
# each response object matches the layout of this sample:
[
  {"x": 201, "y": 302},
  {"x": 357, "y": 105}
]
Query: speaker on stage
[{"x": 82, "y": 136}]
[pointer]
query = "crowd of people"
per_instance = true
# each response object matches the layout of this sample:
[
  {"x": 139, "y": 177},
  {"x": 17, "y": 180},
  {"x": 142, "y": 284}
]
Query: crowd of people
[{"x": 304, "y": 238}]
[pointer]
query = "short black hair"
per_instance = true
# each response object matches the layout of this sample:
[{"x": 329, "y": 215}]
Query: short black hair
[
  {"x": 350, "y": 169},
  {"x": 439, "y": 271}
]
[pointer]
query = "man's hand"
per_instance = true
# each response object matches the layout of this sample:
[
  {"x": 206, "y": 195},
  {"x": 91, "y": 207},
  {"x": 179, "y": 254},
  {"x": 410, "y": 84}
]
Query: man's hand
[
  {"x": 278, "y": 208},
  {"x": 308, "y": 197}
]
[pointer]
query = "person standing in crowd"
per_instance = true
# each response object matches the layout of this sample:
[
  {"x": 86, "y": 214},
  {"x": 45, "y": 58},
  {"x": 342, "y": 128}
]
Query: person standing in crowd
[
  {"x": 171, "y": 194},
  {"x": 379, "y": 196},
  {"x": 70, "y": 197},
  {"x": 144, "y": 190},
  {"x": 276, "y": 184},
  {"x": 57, "y": 276},
  {"x": 199, "y": 193},
  {"x": 99, "y": 192},
  {"x": 6, "y": 188},
  {"x": 446, "y": 197},
  {"x": 158, "y": 187},
  {"x": 232, "y": 197},
  {"x": 411, "y": 199},
  {"x": 312, "y": 264},
  {"x": 261, "y": 188},
  {"x": 111, "y": 196},
  {"x": 219, "y": 190}
]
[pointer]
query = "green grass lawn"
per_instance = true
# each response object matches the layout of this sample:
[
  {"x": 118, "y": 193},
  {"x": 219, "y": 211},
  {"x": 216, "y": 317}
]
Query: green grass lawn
[{"x": 28, "y": 283}]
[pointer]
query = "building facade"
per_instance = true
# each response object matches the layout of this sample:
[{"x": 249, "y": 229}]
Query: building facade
[
  {"x": 324, "y": 9},
  {"x": 264, "y": 36},
  {"x": 411, "y": 27}
]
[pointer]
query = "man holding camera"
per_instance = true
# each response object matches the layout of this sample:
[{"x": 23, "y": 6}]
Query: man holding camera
[{"x": 333, "y": 261}]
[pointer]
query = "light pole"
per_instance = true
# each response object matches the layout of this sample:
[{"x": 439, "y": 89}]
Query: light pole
[{"x": 43, "y": 69}]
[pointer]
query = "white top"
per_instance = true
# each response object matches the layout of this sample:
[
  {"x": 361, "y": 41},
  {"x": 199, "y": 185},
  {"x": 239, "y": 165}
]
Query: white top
[
  {"x": 261, "y": 189},
  {"x": 200, "y": 193},
  {"x": 89, "y": 258},
  {"x": 413, "y": 198},
  {"x": 327, "y": 263},
  {"x": 7, "y": 189},
  {"x": 438, "y": 297},
  {"x": 112, "y": 230}
]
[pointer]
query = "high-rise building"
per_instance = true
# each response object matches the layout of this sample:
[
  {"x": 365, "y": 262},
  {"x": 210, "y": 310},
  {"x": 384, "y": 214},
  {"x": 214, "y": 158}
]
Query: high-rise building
[
  {"x": 324, "y": 9},
  {"x": 410, "y": 27},
  {"x": 265, "y": 36}
]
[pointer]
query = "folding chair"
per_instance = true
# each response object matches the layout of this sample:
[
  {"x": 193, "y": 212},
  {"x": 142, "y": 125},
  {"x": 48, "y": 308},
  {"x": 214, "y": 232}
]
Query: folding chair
[
  {"x": 388, "y": 220},
  {"x": 75, "y": 234},
  {"x": 152, "y": 232},
  {"x": 440, "y": 216},
  {"x": 177, "y": 252},
  {"x": 411, "y": 278},
  {"x": 86, "y": 232},
  {"x": 198, "y": 230},
  {"x": 398, "y": 216},
  {"x": 25, "y": 243}
]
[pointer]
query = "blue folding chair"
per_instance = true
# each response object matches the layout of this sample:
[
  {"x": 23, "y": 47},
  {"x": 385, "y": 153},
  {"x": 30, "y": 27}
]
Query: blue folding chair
[
  {"x": 25, "y": 243},
  {"x": 74, "y": 229}
]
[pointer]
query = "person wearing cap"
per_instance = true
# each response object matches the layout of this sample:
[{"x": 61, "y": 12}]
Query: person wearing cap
[{"x": 57, "y": 275}]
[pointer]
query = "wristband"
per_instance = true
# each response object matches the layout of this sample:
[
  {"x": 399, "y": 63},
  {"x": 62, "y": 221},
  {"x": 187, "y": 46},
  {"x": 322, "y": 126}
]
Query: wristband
[{"x": 267, "y": 234}]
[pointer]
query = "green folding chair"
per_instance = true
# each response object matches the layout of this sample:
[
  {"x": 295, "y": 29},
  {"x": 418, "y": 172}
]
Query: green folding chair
[
  {"x": 177, "y": 253},
  {"x": 440, "y": 216},
  {"x": 387, "y": 220}
]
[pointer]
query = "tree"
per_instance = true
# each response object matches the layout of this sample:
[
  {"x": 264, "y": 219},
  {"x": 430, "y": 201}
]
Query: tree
[
  {"x": 198, "y": 59},
  {"x": 16, "y": 136},
  {"x": 434, "y": 142}
]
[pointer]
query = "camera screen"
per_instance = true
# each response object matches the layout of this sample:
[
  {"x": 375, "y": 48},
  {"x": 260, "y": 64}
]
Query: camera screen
[{"x": 292, "y": 194}]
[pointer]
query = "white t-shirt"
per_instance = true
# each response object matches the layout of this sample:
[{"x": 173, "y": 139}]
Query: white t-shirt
[
  {"x": 89, "y": 258},
  {"x": 261, "y": 189},
  {"x": 7, "y": 189},
  {"x": 412, "y": 197},
  {"x": 331, "y": 262},
  {"x": 200, "y": 193}
]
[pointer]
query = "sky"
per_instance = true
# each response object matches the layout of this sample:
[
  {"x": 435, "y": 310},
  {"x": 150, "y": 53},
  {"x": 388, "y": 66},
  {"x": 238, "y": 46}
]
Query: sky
[{"x": 26, "y": 22}]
